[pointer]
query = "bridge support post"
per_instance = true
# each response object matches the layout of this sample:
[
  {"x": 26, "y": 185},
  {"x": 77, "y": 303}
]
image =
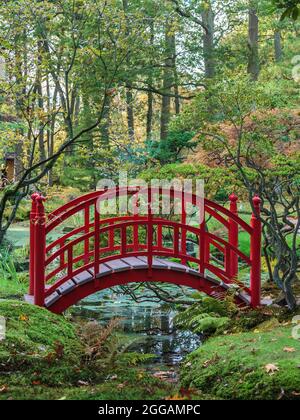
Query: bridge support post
[
  {"x": 33, "y": 215},
  {"x": 150, "y": 234},
  {"x": 255, "y": 276},
  {"x": 233, "y": 237},
  {"x": 39, "y": 252}
]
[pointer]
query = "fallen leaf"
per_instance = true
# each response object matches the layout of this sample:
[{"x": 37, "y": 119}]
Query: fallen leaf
[
  {"x": 23, "y": 318},
  {"x": 289, "y": 349},
  {"x": 212, "y": 361},
  {"x": 187, "y": 393},
  {"x": 3, "y": 388},
  {"x": 36, "y": 383},
  {"x": 271, "y": 368},
  {"x": 175, "y": 398}
]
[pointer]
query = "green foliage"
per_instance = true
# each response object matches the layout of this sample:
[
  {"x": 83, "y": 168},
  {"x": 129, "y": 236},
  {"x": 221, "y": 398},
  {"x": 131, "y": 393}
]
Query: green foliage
[
  {"x": 7, "y": 265},
  {"x": 43, "y": 354},
  {"x": 206, "y": 316},
  {"x": 134, "y": 358},
  {"x": 235, "y": 366},
  {"x": 291, "y": 8},
  {"x": 170, "y": 150},
  {"x": 39, "y": 346},
  {"x": 219, "y": 182}
]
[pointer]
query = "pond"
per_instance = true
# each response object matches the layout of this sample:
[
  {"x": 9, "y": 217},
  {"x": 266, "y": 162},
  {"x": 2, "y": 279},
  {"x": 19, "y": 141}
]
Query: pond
[{"x": 149, "y": 324}]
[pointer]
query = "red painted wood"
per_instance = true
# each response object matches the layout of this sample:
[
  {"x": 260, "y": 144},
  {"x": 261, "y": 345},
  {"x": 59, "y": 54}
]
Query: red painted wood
[
  {"x": 141, "y": 276},
  {"x": 150, "y": 234},
  {"x": 33, "y": 216},
  {"x": 63, "y": 248},
  {"x": 86, "y": 229},
  {"x": 39, "y": 252},
  {"x": 96, "y": 241},
  {"x": 255, "y": 254},
  {"x": 233, "y": 238},
  {"x": 183, "y": 230}
]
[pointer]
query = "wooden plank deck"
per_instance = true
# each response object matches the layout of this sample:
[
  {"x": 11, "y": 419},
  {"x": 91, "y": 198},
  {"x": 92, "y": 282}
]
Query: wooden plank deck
[{"x": 120, "y": 265}]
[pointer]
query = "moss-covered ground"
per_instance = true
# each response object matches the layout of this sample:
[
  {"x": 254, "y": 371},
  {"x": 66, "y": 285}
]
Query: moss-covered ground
[
  {"x": 261, "y": 364},
  {"x": 42, "y": 357}
]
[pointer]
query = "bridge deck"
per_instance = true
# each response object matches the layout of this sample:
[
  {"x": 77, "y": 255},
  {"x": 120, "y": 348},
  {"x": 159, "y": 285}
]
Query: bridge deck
[{"x": 128, "y": 264}]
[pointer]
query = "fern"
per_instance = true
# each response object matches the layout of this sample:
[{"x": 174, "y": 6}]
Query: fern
[
  {"x": 134, "y": 358},
  {"x": 207, "y": 316}
]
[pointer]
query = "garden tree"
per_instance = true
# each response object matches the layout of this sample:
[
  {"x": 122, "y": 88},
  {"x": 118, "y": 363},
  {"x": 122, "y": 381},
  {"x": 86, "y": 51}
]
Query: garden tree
[
  {"x": 149, "y": 117},
  {"x": 129, "y": 95},
  {"x": 203, "y": 16},
  {"x": 251, "y": 139},
  {"x": 270, "y": 19},
  {"x": 62, "y": 38},
  {"x": 168, "y": 79}
]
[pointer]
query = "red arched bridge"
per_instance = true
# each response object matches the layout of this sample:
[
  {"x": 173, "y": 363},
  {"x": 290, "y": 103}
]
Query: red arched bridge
[{"x": 68, "y": 264}]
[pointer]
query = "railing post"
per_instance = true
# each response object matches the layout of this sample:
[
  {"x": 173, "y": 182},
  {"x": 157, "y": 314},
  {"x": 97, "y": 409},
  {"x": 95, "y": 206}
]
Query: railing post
[
  {"x": 150, "y": 234},
  {"x": 97, "y": 243},
  {"x": 255, "y": 276},
  {"x": 233, "y": 238},
  {"x": 135, "y": 211},
  {"x": 183, "y": 230},
  {"x": 32, "y": 245},
  {"x": 39, "y": 252},
  {"x": 86, "y": 230},
  {"x": 204, "y": 246}
]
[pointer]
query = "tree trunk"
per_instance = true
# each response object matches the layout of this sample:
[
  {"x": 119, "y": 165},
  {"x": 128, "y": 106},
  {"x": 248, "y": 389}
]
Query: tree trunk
[
  {"x": 176, "y": 81},
  {"x": 20, "y": 95},
  {"x": 129, "y": 96},
  {"x": 149, "y": 116},
  {"x": 130, "y": 114},
  {"x": 40, "y": 101},
  {"x": 208, "y": 19},
  {"x": 168, "y": 78},
  {"x": 253, "y": 32},
  {"x": 104, "y": 126},
  {"x": 150, "y": 94},
  {"x": 51, "y": 127},
  {"x": 277, "y": 45}
]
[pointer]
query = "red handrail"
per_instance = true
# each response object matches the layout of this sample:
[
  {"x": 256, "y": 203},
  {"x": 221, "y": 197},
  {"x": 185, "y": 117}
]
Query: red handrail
[{"x": 42, "y": 256}]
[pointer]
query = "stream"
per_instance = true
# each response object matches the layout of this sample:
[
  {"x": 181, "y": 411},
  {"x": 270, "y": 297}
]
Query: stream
[{"x": 150, "y": 326}]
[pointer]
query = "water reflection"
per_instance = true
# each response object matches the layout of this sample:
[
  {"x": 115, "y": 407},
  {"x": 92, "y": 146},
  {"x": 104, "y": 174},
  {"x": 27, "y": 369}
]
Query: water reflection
[{"x": 151, "y": 324}]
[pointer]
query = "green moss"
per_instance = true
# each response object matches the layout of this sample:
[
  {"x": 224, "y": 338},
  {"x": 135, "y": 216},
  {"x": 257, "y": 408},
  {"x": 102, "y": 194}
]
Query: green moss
[
  {"x": 42, "y": 357},
  {"x": 234, "y": 366},
  {"x": 39, "y": 347},
  {"x": 11, "y": 288},
  {"x": 129, "y": 384}
]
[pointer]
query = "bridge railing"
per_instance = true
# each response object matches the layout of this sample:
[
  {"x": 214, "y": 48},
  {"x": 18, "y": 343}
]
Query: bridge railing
[{"x": 62, "y": 250}]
